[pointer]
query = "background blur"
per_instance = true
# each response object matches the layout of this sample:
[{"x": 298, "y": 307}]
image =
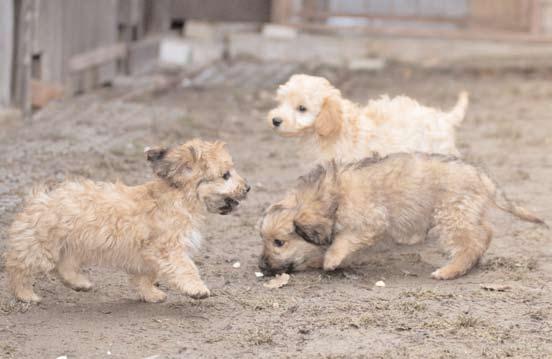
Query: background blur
[{"x": 55, "y": 48}]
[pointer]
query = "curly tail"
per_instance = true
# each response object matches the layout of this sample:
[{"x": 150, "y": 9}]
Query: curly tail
[
  {"x": 457, "y": 114},
  {"x": 502, "y": 202}
]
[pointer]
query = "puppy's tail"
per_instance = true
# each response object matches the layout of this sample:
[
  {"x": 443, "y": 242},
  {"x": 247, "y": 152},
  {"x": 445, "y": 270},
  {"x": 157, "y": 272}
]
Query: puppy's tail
[
  {"x": 457, "y": 114},
  {"x": 502, "y": 202}
]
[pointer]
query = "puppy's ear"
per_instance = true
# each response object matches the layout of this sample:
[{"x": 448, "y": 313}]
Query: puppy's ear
[
  {"x": 329, "y": 120},
  {"x": 155, "y": 153},
  {"x": 156, "y": 156},
  {"x": 313, "y": 228}
]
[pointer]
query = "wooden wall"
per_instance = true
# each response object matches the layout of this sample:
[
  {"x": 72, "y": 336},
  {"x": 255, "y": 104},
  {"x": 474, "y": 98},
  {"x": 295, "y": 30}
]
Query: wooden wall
[
  {"x": 6, "y": 50},
  {"x": 226, "y": 10}
]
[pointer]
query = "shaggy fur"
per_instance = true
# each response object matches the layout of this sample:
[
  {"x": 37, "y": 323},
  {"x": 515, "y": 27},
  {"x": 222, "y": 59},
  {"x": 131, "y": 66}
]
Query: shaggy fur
[
  {"x": 338, "y": 209},
  {"x": 310, "y": 107},
  {"x": 149, "y": 230}
]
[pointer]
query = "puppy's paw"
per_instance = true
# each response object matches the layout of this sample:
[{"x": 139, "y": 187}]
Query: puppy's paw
[
  {"x": 197, "y": 290},
  {"x": 331, "y": 263},
  {"x": 154, "y": 296},
  {"x": 28, "y": 297},
  {"x": 444, "y": 274},
  {"x": 82, "y": 287}
]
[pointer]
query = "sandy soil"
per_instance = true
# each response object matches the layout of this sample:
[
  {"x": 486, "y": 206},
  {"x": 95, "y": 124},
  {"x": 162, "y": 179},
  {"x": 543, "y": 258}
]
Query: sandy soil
[{"x": 508, "y": 131}]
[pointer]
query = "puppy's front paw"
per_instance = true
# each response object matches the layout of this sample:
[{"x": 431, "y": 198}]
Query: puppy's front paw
[
  {"x": 154, "y": 296},
  {"x": 331, "y": 263},
  {"x": 196, "y": 290},
  {"x": 28, "y": 297},
  {"x": 444, "y": 274}
]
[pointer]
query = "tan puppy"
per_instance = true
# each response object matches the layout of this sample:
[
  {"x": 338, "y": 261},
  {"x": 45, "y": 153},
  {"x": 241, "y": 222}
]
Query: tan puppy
[
  {"x": 338, "y": 209},
  {"x": 310, "y": 107},
  {"x": 149, "y": 230}
]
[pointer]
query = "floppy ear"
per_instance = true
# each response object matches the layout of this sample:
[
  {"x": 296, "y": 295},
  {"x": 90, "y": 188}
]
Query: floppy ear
[
  {"x": 328, "y": 122},
  {"x": 156, "y": 157},
  {"x": 313, "y": 228}
]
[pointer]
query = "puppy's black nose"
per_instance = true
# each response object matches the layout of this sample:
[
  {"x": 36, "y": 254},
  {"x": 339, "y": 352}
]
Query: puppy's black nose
[
  {"x": 263, "y": 265},
  {"x": 247, "y": 188},
  {"x": 277, "y": 121}
]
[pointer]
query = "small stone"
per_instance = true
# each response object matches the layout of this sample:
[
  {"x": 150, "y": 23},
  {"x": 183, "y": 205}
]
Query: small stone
[
  {"x": 236, "y": 265},
  {"x": 380, "y": 283},
  {"x": 259, "y": 274}
]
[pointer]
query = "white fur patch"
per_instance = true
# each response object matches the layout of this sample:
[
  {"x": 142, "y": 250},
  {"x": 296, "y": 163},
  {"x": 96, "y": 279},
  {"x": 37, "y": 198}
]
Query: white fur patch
[{"x": 193, "y": 239}]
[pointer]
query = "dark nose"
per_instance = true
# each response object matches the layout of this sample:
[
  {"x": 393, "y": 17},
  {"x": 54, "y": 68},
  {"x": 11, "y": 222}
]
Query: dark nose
[
  {"x": 277, "y": 121},
  {"x": 263, "y": 265},
  {"x": 247, "y": 188}
]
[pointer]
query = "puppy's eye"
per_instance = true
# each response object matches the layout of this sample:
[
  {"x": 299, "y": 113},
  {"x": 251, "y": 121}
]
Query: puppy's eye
[
  {"x": 226, "y": 175},
  {"x": 278, "y": 243},
  {"x": 301, "y": 108}
]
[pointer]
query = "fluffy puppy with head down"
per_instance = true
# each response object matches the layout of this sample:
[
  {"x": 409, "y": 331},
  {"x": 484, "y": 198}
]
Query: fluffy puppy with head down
[
  {"x": 149, "y": 230},
  {"x": 310, "y": 107},
  {"x": 339, "y": 209}
]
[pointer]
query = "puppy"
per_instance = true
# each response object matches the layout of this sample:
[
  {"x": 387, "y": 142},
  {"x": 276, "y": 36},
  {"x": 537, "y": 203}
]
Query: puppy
[
  {"x": 339, "y": 208},
  {"x": 149, "y": 230},
  {"x": 310, "y": 107}
]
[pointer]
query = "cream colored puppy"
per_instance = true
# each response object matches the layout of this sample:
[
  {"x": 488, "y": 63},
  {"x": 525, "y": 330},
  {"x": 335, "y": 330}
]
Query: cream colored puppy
[
  {"x": 339, "y": 209},
  {"x": 310, "y": 107},
  {"x": 149, "y": 230}
]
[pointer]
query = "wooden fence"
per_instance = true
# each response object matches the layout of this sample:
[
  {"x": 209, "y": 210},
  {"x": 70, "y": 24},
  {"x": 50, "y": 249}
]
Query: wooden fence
[{"x": 524, "y": 20}]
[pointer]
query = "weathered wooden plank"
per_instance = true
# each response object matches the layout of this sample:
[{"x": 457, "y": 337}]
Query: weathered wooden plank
[
  {"x": 97, "y": 57},
  {"x": 6, "y": 50},
  {"x": 235, "y": 10},
  {"x": 25, "y": 11},
  {"x": 280, "y": 11}
]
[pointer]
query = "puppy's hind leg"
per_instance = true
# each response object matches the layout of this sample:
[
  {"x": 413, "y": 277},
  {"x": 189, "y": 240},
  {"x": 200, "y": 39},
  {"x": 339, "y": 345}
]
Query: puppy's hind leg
[
  {"x": 68, "y": 269},
  {"x": 468, "y": 246},
  {"x": 145, "y": 284},
  {"x": 26, "y": 257}
]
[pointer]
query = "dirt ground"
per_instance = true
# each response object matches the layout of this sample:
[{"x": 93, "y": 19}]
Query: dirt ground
[{"x": 508, "y": 131}]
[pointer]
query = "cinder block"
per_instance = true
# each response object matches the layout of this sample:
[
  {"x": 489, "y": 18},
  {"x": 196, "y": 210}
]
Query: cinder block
[
  {"x": 276, "y": 31},
  {"x": 367, "y": 64},
  {"x": 175, "y": 52}
]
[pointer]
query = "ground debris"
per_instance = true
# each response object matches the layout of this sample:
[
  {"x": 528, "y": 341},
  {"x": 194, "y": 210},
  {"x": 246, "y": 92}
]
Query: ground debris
[
  {"x": 494, "y": 287},
  {"x": 277, "y": 282}
]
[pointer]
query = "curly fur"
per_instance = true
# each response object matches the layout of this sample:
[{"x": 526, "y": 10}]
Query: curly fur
[
  {"x": 149, "y": 230},
  {"x": 339, "y": 208},
  {"x": 310, "y": 107}
]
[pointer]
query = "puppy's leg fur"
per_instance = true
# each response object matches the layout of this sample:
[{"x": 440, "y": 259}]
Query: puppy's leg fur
[
  {"x": 464, "y": 231},
  {"x": 145, "y": 284},
  {"x": 68, "y": 270},
  {"x": 343, "y": 245},
  {"x": 182, "y": 274},
  {"x": 26, "y": 256}
]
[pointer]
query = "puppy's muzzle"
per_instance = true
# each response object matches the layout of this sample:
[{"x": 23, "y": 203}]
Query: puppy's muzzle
[
  {"x": 229, "y": 205},
  {"x": 267, "y": 270},
  {"x": 277, "y": 121}
]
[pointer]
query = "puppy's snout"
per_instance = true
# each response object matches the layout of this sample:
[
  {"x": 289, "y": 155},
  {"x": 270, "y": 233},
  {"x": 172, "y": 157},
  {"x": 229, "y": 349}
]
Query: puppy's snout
[
  {"x": 263, "y": 266},
  {"x": 247, "y": 188},
  {"x": 277, "y": 121}
]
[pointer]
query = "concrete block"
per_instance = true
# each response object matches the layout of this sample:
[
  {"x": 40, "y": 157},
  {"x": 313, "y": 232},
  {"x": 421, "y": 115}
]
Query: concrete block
[
  {"x": 366, "y": 64},
  {"x": 174, "y": 51},
  {"x": 217, "y": 31},
  {"x": 276, "y": 31}
]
